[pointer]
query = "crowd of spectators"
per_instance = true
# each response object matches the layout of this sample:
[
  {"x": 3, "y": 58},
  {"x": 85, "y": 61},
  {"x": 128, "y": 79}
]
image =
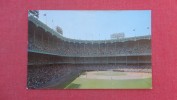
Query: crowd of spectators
[
  {"x": 39, "y": 75},
  {"x": 114, "y": 67},
  {"x": 88, "y": 49},
  {"x": 36, "y": 58}
]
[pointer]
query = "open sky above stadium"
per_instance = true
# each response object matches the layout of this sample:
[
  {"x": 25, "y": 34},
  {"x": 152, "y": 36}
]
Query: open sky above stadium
[{"x": 98, "y": 24}]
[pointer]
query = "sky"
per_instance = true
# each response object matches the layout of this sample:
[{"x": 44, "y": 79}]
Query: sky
[{"x": 98, "y": 24}]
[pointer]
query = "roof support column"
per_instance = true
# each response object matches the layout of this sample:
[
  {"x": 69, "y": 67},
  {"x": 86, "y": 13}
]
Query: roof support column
[
  {"x": 34, "y": 37},
  {"x": 126, "y": 60}
]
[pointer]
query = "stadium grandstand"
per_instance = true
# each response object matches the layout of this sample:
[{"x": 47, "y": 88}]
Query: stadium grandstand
[{"x": 55, "y": 59}]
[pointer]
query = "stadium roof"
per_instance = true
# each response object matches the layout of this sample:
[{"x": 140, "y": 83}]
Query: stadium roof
[{"x": 38, "y": 23}]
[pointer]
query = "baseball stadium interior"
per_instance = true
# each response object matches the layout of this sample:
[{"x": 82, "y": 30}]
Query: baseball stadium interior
[{"x": 55, "y": 59}]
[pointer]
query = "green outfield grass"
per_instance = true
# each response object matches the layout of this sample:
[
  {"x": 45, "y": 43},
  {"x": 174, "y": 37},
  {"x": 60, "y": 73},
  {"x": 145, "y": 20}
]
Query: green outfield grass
[{"x": 81, "y": 83}]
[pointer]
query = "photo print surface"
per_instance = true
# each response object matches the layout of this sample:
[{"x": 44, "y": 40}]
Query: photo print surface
[{"x": 89, "y": 49}]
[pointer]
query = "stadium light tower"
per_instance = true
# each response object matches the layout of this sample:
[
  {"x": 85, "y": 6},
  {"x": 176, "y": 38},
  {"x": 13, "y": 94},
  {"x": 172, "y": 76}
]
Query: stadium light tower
[
  {"x": 59, "y": 30},
  {"x": 34, "y": 13},
  {"x": 149, "y": 32},
  {"x": 45, "y": 17},
  {"x": 135, "y": 34},
  {"x": 118, "y": 35},
  {"x": 148, "y": 29}
]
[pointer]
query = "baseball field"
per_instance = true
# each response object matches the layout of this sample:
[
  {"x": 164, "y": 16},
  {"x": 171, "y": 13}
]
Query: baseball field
[{"x": 111, "y": 80}]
